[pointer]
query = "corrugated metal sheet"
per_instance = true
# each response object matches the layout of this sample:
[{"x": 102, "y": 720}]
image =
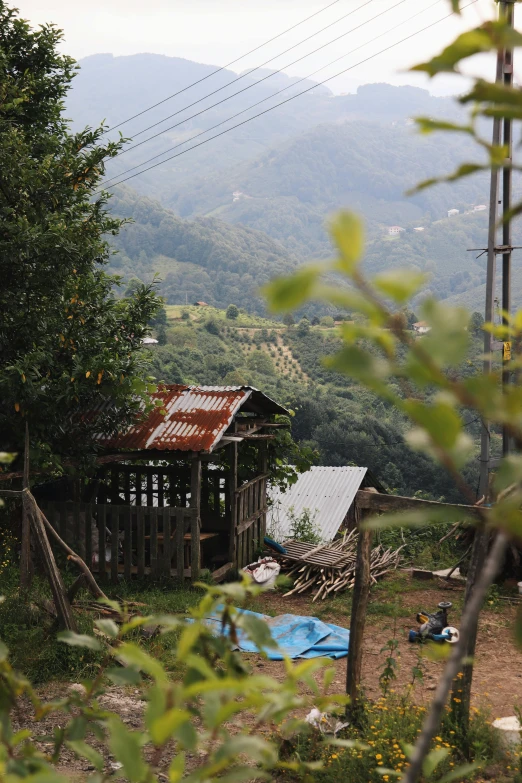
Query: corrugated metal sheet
[
  {"x": 328, "y": 492},
  {"x": 196, "y": 418}
]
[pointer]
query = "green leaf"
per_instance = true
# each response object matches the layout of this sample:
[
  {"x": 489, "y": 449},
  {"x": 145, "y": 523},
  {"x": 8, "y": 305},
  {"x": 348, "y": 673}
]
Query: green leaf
[
  {"x": 257, "y": 631},
  {"x": 162, "y": 729},
  {"x": 440, "y": 420},
  {"x": 466, "y": 45},
  {"x": 126, "y": 745},
  {"x": 289, "y": 293},
  {"x": 254, "y": 747},
  {"x": 120, "y": 675},
  {"x": 177, "y": 768},
  {"x": 79, "y": 640},
  {"x": 345, "y": 743},
  {"x": 348, "y": 234},
  {"x": 433, "y": 759},
  {"x": 417, "y": 518},
  {"x": 83, "y": 750},
  {"x": 509, "y": 472},
  {"x": 132, "y": 654},
  {"x": 460, "y": 773},
  {"x": 107, "y": 627},
  {"x": 399, "y": 284},
  {"x": 188, "y": 639},
  {"x": 428, "y": 125},
  {"x": 4, "y": 652}
]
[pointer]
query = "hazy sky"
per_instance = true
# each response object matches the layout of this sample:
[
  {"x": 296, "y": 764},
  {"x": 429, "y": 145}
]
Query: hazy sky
[{"x": 218, "y": 31}]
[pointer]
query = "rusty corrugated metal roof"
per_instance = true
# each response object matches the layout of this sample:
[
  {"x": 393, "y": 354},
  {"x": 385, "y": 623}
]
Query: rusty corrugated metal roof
[{"x": 197, "y": 417}]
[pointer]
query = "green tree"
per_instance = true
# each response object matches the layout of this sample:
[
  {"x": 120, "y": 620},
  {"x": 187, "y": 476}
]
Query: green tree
[
  {"x": 327, "y": 320},
  {"x": 476, "y": 324},
  {"x": 288, "y": 319},
  {"x": 67, "y": 344},
  {"x": 303, "y": 327},
  {"x": 232, "y": 311}
]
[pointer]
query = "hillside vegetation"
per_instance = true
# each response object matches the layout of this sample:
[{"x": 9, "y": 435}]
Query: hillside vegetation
[
  {"x": 342, "y": 422},
  {"x": 201, "y": 259},
  {"x": 289, "y": 190}
]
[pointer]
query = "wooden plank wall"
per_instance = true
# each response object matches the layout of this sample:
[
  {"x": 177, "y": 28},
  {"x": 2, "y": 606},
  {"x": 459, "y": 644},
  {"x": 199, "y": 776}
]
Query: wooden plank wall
[
  {"x": 137, "y": 540},
  {"x": 251, "y": 519},
  {"x": 149, "y": 485}
]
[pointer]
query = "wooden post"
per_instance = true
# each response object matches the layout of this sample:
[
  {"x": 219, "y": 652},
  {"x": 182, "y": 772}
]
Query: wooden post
[
  {"x": 232, "y": 488},
  {"x": 25, "y": 554},
  {"x": 61, "y": 601},
  {"x": 461, "y": 690},
  {"x": 195, "y": 524},
  {"x": 262, "y": 457},
  {"x": 360, "y": 595}
]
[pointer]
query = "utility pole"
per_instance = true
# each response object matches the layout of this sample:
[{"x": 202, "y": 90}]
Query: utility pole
[
  {"x": 509, "y": 13},
  {"x": 504, "y": 74},
  {"x": 461, "y": 692}
]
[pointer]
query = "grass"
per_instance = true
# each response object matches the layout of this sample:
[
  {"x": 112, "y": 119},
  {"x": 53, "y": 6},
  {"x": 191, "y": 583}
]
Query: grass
[
  {"x": 30, "y": 632},
  {"x": 201, "y": 314}
]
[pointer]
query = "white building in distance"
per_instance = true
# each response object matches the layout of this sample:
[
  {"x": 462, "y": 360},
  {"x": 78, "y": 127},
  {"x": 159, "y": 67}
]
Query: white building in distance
[
  {"x": 393, "y": 230},
  {"x": 453, "y": 212}
]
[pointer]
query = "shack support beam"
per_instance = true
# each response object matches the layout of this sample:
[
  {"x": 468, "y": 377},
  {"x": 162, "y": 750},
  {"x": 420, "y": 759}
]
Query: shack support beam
[
  {"x": 232, "y": 487},
  {"x": 195, "y": 524}
]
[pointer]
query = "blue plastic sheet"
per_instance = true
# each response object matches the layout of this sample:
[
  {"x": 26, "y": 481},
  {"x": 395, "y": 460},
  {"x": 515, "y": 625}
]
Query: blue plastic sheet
[{"x": 297, "y": 637}]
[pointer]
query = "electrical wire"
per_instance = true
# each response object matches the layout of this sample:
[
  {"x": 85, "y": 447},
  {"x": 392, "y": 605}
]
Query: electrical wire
[
  {"x": 313, "y": 87},
  {"x": 250, "y": 86},
  {"x": 222, "y": 68},
  {"x": 244, "y": 75},
  {"x": 263, "y": 100}
]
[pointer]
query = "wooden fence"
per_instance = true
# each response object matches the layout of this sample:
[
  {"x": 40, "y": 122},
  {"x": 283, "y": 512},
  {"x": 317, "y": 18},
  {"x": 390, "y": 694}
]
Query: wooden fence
[
  {"x": 129, "y": 540},
  {"x": 250, "y": 516}
]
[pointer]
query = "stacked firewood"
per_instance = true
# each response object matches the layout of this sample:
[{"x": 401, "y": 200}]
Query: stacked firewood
[{"x": 324, "y": 580}]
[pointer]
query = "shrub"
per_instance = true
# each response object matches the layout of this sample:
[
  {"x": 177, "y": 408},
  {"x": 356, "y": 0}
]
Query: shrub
[
  {"x": 232, "y": 311},
  {"x": 303, "y": 527}
]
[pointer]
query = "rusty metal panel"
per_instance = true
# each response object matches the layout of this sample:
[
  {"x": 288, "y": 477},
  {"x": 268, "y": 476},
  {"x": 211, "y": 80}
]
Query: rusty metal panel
[{"x": 196, "y": 418}]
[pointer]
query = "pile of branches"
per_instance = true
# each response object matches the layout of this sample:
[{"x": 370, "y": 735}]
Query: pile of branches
[{"x": 324, "y": 580}]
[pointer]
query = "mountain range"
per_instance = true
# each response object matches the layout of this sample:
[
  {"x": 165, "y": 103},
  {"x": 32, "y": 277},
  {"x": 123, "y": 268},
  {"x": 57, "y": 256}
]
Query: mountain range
[{"x": 218, "y": 221}]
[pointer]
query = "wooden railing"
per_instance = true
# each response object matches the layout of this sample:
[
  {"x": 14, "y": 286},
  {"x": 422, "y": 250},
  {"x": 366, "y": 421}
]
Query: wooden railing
[
  {"x": 250, "y": 516},
  {"x": 119, "y": 540}
]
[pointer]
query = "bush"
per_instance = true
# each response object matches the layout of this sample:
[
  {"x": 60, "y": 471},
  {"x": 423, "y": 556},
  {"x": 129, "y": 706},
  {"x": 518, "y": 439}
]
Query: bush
[
  {"x": 212, "y": 326},
  {"x": 327, "y": 320},
  {"x": 303, "y": 527},
  {"x": 232, "y": 311}
]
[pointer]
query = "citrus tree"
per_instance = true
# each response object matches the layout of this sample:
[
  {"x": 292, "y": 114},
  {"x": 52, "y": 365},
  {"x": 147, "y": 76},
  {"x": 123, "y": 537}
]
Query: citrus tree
[{"x": 67, "y": 344}]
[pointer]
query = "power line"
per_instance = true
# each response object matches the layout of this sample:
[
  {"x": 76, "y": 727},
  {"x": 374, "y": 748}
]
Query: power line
[
  {"x": 244, "y": 75},
  {"x": 313, "y": 87},
  {"x": 263, "y": 100},
  {"x": 222, "y": 68}
]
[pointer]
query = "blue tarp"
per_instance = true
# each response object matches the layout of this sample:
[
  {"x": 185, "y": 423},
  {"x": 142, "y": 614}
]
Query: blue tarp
[{"x": 297, "y": 637}]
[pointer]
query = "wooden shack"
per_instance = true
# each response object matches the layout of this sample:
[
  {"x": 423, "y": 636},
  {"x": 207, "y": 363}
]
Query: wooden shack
[{"x": 181, "y": 490}]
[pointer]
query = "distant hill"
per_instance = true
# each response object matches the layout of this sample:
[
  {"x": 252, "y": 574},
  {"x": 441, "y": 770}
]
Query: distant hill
[
  {"x": 116, "y": 88},
  {"x": 202, "y": 259},
  {"x": 289, "y": 190}
]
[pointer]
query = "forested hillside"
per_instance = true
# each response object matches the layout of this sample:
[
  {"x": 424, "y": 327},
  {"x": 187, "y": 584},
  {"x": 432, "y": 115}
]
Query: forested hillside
[
  {"x": 201, "y": 259},
  {"x": 289, "y": 190},
  {"x": 342, "y": 422},
  {"x": 208, "y": 259}
]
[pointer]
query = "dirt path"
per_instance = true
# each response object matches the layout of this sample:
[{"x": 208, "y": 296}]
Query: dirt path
[{"x": 497, "y": 682}]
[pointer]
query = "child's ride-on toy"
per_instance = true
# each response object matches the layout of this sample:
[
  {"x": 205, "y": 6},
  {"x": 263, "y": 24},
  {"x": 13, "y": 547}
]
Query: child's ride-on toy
[{"x": 435, "y": 626}]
